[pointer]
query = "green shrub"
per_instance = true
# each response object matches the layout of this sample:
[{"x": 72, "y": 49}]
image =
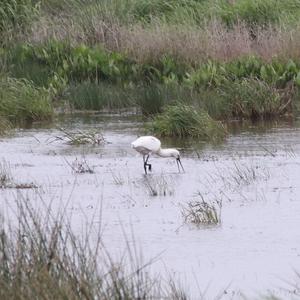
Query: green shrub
[
  {"x": 21, "y": 101},
  {"x": 182, "y": 121}
]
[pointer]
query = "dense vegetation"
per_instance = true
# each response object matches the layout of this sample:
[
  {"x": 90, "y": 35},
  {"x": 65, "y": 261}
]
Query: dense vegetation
[{"x": 233, "y": 59}]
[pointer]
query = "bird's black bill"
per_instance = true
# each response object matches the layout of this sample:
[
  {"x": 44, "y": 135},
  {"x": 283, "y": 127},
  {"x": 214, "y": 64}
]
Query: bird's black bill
[{"x": 179, "y": 163}]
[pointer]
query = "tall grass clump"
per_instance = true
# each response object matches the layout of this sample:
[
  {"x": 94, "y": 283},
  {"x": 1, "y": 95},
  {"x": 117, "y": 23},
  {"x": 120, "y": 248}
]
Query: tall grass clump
[
  {"x": 182, "y": 121},
  {"x": 5, "y": 125},
  {"x": 21, "y": 101},
  {"x": 153, "y": 97},
  {"x": 252, "y": 99},
  {"x": 41, "y": 257},
  {"x": 97, "y": 96},
  {"x": 202, "y": 212}
]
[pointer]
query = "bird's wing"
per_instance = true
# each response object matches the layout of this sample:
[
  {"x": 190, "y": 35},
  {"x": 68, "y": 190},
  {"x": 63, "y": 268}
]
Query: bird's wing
[{"x": 148, "y": 142}]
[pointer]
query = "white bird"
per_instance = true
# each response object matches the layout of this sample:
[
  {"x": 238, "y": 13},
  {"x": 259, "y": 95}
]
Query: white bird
[{"x": 147, "y": 145}]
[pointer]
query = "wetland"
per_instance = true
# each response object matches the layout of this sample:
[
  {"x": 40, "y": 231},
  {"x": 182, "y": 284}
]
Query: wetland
[{"x": 251, "y": 179}]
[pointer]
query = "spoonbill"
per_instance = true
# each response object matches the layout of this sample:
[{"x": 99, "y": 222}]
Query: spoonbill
[{"x": 147, "y": 145}]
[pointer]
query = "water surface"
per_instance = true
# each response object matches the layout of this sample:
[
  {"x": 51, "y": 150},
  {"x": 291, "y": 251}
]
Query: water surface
[{"x": 254, "y": 172}]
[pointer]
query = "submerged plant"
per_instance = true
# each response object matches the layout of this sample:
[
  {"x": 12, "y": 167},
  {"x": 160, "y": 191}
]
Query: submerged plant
[
  {"x": 183, "y": 121},
  {"x": 159, "y": 186},
  {"x": 117, "y": 178},
  {"x": 7, "y": 181},
  {"x": 79, "y": 137},
  {"x": 80, "y": 166},
  {"x": 5, "y": 174},
  {"x": 202, "y": 212}
]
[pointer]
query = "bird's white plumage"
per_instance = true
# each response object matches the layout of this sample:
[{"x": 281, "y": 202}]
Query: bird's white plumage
[{"x": 146, "y": 144}]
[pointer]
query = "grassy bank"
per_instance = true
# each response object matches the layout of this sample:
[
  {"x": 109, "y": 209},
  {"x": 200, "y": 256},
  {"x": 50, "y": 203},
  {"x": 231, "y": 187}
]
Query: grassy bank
[
  {"x": 233, "y": 59},
  {"x": 93, "y": 78}
]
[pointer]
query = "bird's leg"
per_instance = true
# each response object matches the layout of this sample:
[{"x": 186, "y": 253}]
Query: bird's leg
[
  {"x": 146, "y": 163},
  {"x": 177, "y": 165},
  {"x": 178, "y": 161}
]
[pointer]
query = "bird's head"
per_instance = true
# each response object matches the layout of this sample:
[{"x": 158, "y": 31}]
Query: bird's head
[{"x": 175, "y": 153}]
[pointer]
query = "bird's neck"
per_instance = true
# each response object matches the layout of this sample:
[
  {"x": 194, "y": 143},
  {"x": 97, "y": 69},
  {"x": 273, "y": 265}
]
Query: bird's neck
[{"x": 164, "y": 152}]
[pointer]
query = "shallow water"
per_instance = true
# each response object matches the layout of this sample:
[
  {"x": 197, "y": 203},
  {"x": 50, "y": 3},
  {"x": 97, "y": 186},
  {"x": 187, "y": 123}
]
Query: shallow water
[{"x": 255, "y": 173}]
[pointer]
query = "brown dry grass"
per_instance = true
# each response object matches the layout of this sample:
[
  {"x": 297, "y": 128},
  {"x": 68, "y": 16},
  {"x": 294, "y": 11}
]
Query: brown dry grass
[{"x": 188, "y": 44}]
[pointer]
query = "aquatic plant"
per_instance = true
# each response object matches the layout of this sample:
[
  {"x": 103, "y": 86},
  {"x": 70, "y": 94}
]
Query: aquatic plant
[
  {"x": 79, "y": 137},
  {"x": 252, "y": 99},
  {"x": 7, "y": 181},
  {"x": 80, "y": 166},
  {"x": 117, "y": 178},
  {"x": 159, "y": 186},
  {"x": 241, "y": 174},
  {"x": 41, "y": 256},
  {"x": 5, "y": 174},
  {"x": 152, "y": 98},
  {"x": 202, "y": 212},
  {"x": 21, "y": 101},
  {"x": 5, "y": 125},
  {"x": 181, "y": 120},
  {"x": 98, "y": 96}
]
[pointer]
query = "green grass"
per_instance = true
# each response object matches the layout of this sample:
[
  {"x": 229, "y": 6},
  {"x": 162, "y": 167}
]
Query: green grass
[
  {"x": 251, "y": 99},
  {"x": 15, "y": 18},
  {"x": 21, "y": 101},
  {"x": 182, "y": 121},
  {"x": 97, "y": 96},
  {"x": 5, "y": 125},
  {"x": 42, "y": 258},
  {"x": 253, "y": 12},
  {"x": 152, "y": 98}
]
